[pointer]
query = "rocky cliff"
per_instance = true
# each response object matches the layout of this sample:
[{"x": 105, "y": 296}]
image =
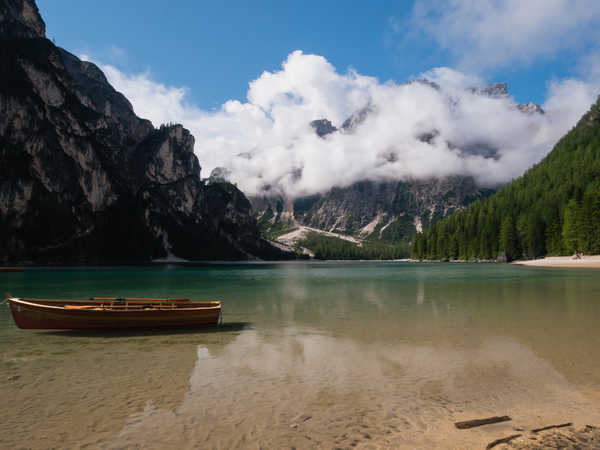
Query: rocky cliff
[
  {"x": 379, "y": 207},
  {"x": 390, "y": 211},
  {"x": 83, "y": 179}
]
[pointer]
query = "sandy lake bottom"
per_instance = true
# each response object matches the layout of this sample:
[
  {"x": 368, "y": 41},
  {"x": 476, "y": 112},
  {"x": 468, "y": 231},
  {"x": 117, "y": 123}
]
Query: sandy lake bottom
[{"x": 312, "y": 355}]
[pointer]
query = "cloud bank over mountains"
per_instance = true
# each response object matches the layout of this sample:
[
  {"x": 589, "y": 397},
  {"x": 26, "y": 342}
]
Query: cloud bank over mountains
[{"x": 412, "y": 130}]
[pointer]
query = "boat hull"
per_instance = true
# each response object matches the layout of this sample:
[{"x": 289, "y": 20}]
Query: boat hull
[{"x": 43, "y": 317}]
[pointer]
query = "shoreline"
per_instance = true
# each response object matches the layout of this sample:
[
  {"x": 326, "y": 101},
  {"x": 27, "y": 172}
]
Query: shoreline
[{"x": 590, "y": 262}]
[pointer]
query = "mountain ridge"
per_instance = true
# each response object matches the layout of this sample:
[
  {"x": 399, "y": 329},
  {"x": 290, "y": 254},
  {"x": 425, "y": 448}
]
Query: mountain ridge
[{"x": 83, "y": 179}]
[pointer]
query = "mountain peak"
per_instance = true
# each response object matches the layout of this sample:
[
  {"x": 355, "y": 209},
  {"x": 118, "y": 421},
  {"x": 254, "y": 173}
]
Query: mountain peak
[
  {"x": 20, "y": 19},
  {"x": 530, "y": 108},
  {"x": 323, "y": 127},
  {"x": 494, "y": 90},
  {"x": 356, "y": 118}
]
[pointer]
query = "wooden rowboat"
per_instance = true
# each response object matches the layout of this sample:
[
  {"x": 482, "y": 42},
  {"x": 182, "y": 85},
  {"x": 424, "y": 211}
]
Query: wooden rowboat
[{"x": 112, "y": 313}]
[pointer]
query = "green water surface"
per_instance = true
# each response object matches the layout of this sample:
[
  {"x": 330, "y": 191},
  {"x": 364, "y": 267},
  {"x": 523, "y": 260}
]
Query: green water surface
[{"x": 397, "y": 349}]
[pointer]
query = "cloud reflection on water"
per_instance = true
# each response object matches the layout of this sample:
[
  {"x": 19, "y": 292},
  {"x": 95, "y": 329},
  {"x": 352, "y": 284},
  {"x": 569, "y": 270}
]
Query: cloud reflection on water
[{"x": 259, "y": 384}]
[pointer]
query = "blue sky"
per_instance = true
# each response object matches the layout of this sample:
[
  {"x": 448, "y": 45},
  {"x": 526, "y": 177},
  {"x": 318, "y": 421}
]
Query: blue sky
[{"x": 216, "y": 48}]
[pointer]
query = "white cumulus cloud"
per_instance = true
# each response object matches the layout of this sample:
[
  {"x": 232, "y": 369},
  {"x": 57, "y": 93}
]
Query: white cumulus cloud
[
  {"x": 413, "y": 130},
  {"x": 496, "y": 33}
]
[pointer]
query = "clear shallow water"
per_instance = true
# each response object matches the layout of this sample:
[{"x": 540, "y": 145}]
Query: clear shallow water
[{"x": 312, "y": 355}]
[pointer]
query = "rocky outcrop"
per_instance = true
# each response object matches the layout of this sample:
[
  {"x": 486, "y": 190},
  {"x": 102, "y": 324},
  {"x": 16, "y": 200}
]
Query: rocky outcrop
[
  {"x": 322, "y": 127},
  {"x": 500, "y": 90},
  {"x": 494, "y": 90},
  {"x": 221, "y": 174},
  {"x": 83, "y": 179},
  {"x": 356, "y": 119},
  {"x": 387, "y": 210},
  {"x": 20, "y": 19},
  {"x": 368, "y": 206},
  {"x": 530, "y": 108}
]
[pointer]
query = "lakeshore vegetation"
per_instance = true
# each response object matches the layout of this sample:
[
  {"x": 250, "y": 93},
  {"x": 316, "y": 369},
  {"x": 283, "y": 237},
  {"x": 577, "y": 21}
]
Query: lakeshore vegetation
[
  {"x": 327, "y": 247},
  {"x": 553, "y": 209}
]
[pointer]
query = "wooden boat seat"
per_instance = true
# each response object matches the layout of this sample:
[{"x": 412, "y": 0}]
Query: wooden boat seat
[
  {"x": 113, "y": 306},
  {"x": 141, "y": 300}
]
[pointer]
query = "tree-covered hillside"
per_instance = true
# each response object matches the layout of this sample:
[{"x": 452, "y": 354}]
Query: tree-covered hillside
[
  {"x": 553, "y": 209},
  {"x": 327, "y": 247}
]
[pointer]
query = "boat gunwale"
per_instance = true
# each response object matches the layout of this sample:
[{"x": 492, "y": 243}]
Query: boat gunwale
[{"x": 107, "y": 309}]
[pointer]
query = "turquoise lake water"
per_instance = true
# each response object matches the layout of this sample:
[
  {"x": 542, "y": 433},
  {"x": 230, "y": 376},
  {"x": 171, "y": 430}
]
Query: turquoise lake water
[{"x": 311, "y": 355}]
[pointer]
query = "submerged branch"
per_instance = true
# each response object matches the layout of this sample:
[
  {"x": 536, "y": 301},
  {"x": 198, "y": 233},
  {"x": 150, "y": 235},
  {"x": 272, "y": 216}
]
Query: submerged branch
[
  {"x": 502, "y": 441},
  {"x": 480, "y": 422},
  {"x": 549, "y": 427}
]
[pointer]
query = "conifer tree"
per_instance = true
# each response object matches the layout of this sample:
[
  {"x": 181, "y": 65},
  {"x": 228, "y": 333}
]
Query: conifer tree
[
  {"x": 508, "y": 238},
  {"x": 570, "y": 230}
]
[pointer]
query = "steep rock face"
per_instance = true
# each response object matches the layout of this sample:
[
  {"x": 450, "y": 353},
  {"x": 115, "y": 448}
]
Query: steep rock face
[
  {"x": 369, "y": 206},
  {"x": 386, "y": 210},
  {"x": 20, "y": 19},
  {"x": 83, "y": 179}
]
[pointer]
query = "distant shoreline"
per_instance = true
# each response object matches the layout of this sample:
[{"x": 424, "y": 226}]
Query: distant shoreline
[{"x": 592, "y": 262}]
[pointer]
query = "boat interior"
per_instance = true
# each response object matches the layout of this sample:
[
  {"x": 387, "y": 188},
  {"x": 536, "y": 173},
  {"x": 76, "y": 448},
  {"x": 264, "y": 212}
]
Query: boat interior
[{"x": 99, "y": 303}]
